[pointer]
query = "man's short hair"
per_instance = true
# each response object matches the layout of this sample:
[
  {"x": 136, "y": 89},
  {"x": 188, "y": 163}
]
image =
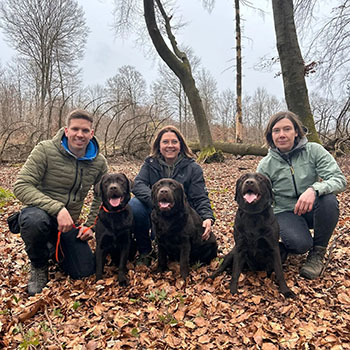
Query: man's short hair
[{"x": 79, "y": 114}]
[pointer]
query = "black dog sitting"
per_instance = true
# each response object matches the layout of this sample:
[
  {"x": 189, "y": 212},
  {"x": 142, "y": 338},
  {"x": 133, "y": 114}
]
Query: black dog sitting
[
  {"x": 114, "y": 224},
  {"x": 256, "y": 233},
  {"x": 178, "y": 228}
]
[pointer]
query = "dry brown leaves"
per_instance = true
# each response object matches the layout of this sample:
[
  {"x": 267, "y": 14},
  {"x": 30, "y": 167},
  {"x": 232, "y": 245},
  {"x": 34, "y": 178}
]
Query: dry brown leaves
[{"x": 160, "y": 311}]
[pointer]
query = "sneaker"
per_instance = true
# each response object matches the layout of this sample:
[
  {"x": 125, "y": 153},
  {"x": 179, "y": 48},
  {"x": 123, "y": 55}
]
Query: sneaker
[
  {"x": 39, "y": 277},
  {"x": 144, "y": 259},
  {"x": 314, "y": 263}
]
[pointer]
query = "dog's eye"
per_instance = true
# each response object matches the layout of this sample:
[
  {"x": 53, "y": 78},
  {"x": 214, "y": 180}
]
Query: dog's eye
[
  {"x": 244, "y": 177},
  {"x": 260, "y": 177}
]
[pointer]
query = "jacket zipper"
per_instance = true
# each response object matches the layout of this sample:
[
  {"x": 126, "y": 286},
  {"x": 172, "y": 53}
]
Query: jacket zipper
[
  {"x": 75, "y": 181},
  {"x": 293, "y": 176},
  {"x": 79, "y": 186}
]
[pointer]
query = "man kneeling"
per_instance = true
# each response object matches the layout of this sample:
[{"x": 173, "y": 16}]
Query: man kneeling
[{"x": 53, "y": 184}]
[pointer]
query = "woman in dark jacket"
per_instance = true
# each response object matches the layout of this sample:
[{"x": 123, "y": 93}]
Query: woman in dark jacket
[{"x": 170, "y": 158}]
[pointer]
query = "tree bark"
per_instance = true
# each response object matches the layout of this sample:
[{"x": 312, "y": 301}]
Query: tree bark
[
  {"x": 179, "y": 64},
  {"x": 292, "y": 65}
]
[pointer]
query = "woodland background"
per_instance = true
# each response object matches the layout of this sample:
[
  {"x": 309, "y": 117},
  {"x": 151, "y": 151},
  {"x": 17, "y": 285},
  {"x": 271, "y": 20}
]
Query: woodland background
[{"x": 43, "y": 83}]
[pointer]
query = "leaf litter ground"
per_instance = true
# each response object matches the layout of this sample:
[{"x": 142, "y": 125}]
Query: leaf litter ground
[{"x": 160, "y": 311}]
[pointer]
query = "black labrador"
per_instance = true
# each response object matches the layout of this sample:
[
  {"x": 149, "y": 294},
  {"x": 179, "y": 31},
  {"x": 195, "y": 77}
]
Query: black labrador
[
  {"x": 178, "y": 228},
  {"x": 114, "y": 224},
  {"x": 256, "y": 233}
]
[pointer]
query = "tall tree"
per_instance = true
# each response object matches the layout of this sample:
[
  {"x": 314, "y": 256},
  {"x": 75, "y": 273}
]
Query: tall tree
[
  {"x": 178, "y": 62},
  {"x": 49, "y": 34},
  {"x": 292, "y": 65},
  {"x": 239, "y": 120}
]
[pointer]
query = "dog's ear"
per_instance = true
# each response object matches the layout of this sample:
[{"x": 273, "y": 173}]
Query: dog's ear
[
  {"x": 131, "y": 184},
  {"x": 183, "y": 198},
  {"x": 238, "y": 184},
  {"x": 98, "y": 186},
  {"x": 269, "y": 187},
  {"x": 153, "y": 193},
  {"x": 128, "y": 182}
]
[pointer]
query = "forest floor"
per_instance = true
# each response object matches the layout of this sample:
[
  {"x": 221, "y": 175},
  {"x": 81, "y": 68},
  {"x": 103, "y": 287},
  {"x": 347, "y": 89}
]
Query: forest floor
[{"x": 159, "y": 311}]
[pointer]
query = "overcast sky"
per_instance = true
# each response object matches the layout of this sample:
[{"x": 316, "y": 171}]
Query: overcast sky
[{"x": 211, "y": 35}]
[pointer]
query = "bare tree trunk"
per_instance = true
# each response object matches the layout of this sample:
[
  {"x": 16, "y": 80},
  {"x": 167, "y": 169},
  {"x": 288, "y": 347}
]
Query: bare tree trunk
[
  {"x": 239, "y": 122},
  {"x": 179, "y": 64},
  {"x": 292, "y": 64}
]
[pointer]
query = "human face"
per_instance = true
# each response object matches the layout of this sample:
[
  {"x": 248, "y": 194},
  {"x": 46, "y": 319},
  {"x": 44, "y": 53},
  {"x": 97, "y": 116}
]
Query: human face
[
  {"x": 79, "y": 132},
  {"x": 169, "y": 147},
  {"x": 283, "y": 135}
]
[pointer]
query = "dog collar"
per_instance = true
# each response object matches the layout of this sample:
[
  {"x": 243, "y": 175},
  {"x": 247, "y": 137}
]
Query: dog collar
[{"x": 109, "y": 211}]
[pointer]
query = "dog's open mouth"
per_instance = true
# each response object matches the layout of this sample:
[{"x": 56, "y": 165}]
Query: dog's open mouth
[
  {"x": 251, "y": 197},
  {"x": 164, "y": 205},
  {"x": 115, "y": 201}
]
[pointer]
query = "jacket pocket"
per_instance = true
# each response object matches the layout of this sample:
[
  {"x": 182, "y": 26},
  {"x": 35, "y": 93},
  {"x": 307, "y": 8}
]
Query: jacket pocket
[{"x": 13, "y": 222}]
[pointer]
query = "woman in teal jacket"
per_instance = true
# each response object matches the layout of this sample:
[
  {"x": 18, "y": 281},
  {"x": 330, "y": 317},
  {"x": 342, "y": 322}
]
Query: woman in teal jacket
[{"x": 305, "y": 179}]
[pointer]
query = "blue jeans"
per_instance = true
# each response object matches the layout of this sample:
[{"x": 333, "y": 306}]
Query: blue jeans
[
  {"x": 39, "y": 233},
  {"x": 142, "y": 225},
  {"x": 295, "y": 229}
]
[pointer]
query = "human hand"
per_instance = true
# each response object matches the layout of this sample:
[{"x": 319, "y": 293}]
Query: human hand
[
  {"x": 305, "y": 202},
  {"x": 85, "y": 233},
  {"x": 64, "y": 220},
  {"x": 207, "y": 229}
]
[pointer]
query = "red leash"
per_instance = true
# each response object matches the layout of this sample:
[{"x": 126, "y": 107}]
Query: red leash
[{"x": 58, "y": 243}]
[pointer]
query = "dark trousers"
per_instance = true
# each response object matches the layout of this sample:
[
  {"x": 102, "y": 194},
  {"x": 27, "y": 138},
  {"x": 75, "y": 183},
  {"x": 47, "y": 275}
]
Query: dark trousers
[
  {"x": 295, "y": 230},
  {"x": 142, "y": 225},
  {"x": 39, "y": 233}
]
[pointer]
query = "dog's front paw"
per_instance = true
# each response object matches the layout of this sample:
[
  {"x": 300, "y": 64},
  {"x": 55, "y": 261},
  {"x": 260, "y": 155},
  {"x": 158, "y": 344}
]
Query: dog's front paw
[
  {"x": 233, "y": 288},
  {"x": 288, "y": 294},
  {"x": 213, "y": 275},
  {"x": 123, "y": 282},
  {"x": 184, "y": 273},
  {"x": 233, "y": 292},
  {"x": 160, "y": 269}
]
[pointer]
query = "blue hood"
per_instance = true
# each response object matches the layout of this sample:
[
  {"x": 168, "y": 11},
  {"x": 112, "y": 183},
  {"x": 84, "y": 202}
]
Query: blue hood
[{"x": 91, "y": 149}]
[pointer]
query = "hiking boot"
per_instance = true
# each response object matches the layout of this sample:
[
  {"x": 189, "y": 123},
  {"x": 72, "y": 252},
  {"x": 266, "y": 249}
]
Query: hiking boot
[
  {"x": 38, "y": 279},
  {"x": 144, "y": 259},
  {"x": 314, "y": 263}
]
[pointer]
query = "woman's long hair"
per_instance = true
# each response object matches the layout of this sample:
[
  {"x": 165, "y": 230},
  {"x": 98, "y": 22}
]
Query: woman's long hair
[{"x": 155, "y": 148}]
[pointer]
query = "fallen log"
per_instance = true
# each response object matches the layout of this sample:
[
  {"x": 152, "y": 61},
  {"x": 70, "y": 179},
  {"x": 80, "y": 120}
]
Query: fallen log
[{"x": 241, "y": 149}]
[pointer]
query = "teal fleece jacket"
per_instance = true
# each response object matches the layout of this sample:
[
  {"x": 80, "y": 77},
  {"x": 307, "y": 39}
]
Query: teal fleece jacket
[{"x": 310, "y": 165}]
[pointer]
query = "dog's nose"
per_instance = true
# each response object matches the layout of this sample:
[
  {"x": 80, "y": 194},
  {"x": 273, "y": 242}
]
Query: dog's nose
[
  {"x": 113, "y": 187},
  {"x": 163, "y": 190},
  {"x": 249, "y": 182}
]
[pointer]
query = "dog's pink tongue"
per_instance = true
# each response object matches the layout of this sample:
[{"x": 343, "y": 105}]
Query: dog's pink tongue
[
  {"x": 164, "y": 205},
  {"x": 250, "y": 197},
  {"x": 114, "y": 202}
]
